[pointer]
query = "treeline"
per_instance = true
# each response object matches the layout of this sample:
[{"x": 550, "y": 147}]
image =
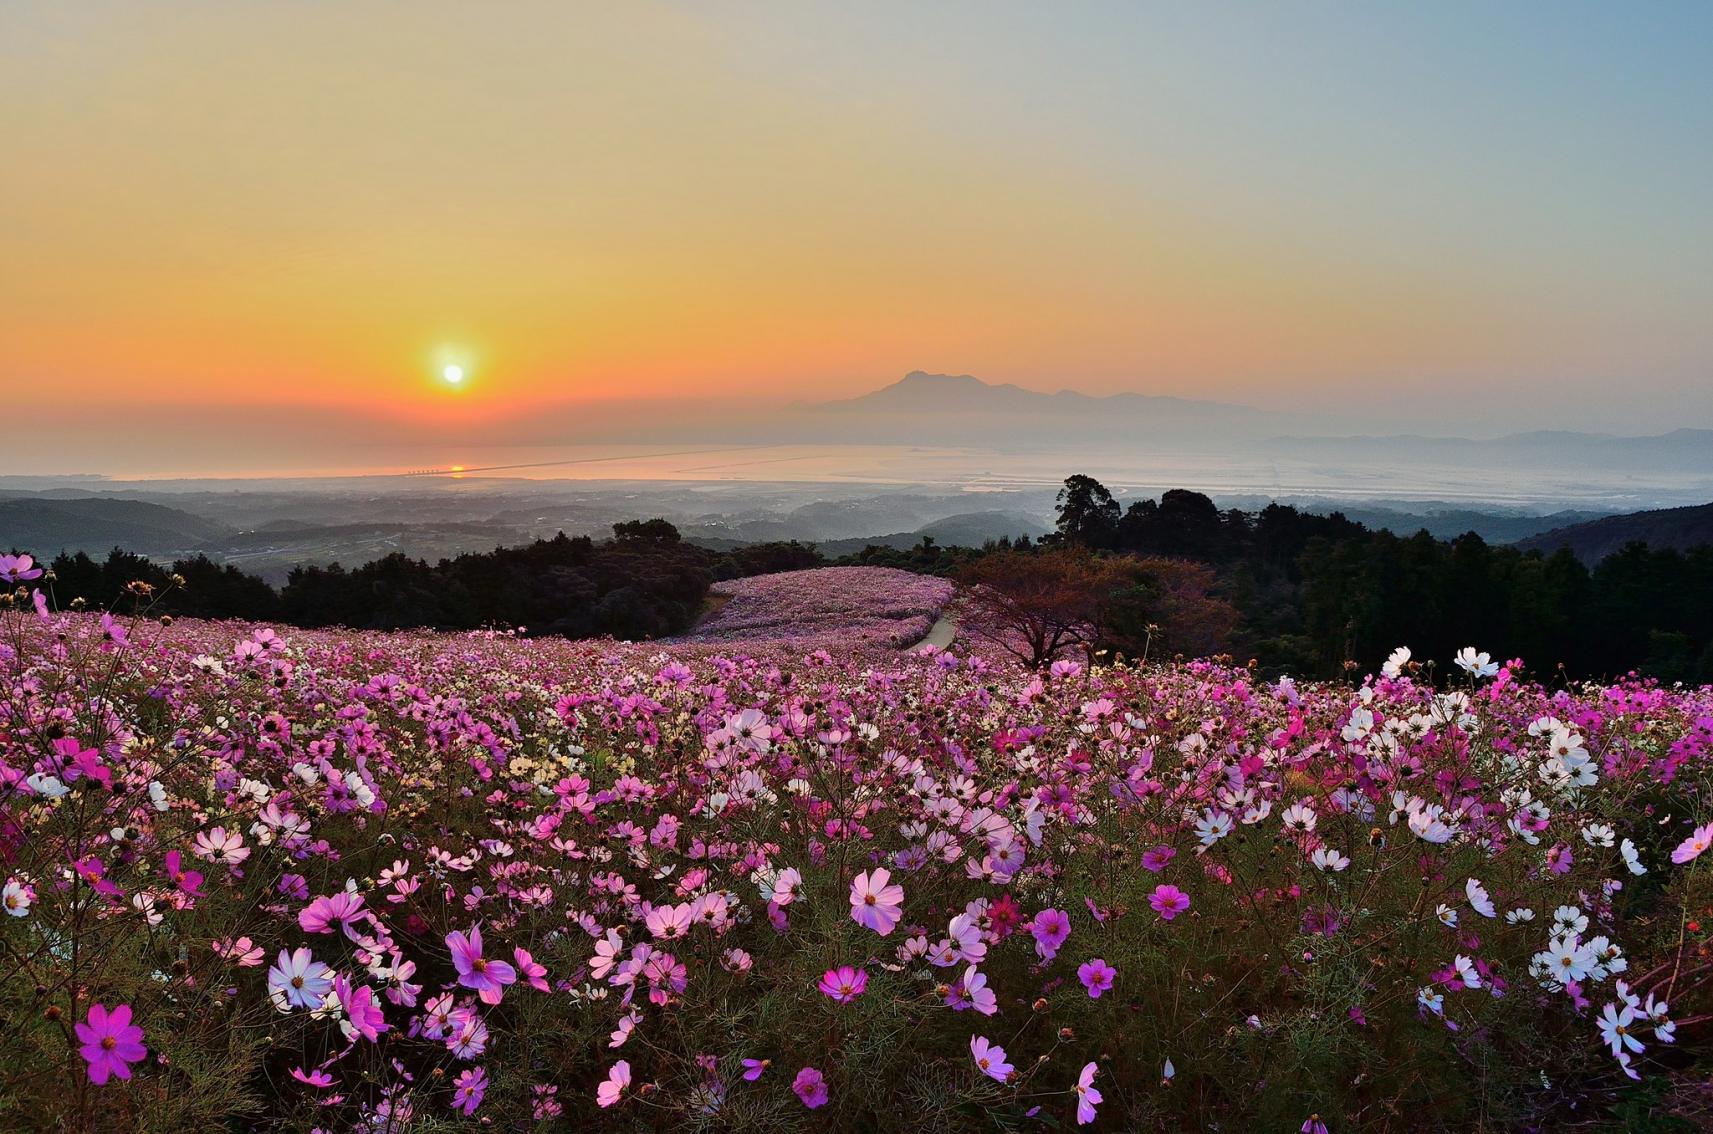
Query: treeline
[
  {"x": 1317, "y": 592},
  {"x": 645, "y": 582}
]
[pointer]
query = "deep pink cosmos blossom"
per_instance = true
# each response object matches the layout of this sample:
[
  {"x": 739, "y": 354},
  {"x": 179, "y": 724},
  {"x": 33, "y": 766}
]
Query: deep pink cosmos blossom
[
  {"x": 1168, "y": 902},
  {"x": 1097, "y": 976},
  {"x": 18, "y": 569},
  {"x": 487, "y": 978},
  {"x": 874, "y": 903},
  {"x": 189, "y": 882},
  {"x": 467, "y": 1093},
  {"x": 753, "y": 1069},
  {"x": 844, "y": 984},
  {"x": 530, "y": 971},
  {"x": 1156, "y": 859},
  {"x": 320, "y": 915},
  {"x": 109, "y": 1042},
  {"x": 810, "y": 1087},
  {"x": 1050, "y": 927}
]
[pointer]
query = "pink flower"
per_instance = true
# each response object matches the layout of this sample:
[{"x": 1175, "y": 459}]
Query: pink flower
[
  {"x": 363, "y": 1017},
  {"x": 1168, "y": 902},
  {"x": 530, "y": 971},
  {"x": 1694, "y": 846},
  {"x": 1155, "y": 860},
  {"x": 18, "y": 569},
  {"x": 318, "y": 1079},
  {"x": 318, "y": 916},
  {"x": 810, "y": 1086},
  {"x": 874, "y": 903},
  {"x": 1097, "y": 976},
  {"x": 109, "y": 1042},
  {"x": 467, "y": 1093},
  {"x": 990, "y": 1059},
  {"x": 612, "y": 1089},
  {"x": 487, "y": 977},
  {"x": 189, "y": 881},
  {"x": 844, "y": 984},
  {"x": 1087, "y": 1097},
  {"x": 753, "y": 1068},
  {"x": 1050, "y": 929}
]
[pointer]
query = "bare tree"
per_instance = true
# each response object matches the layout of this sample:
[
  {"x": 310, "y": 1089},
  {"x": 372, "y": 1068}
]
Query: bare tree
[{"x": 1036, "y": 606}]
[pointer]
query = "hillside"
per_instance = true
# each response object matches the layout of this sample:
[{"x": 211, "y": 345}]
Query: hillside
[
  {"x": 95, "y": 524},
  {"x": 1677, "y": 528}
]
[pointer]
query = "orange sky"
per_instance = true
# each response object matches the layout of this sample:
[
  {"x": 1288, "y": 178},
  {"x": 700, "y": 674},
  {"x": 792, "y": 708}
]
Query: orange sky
[{"x": 316, "y": 204}]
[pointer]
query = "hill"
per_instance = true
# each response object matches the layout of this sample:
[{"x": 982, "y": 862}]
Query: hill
[
  {"x": 97, "y": 523},
  {"x": 1676, "y": 528}
]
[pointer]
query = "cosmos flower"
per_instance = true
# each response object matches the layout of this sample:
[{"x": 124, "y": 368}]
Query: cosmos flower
[
  {"x": 844, "y": 984},
  {"x": 1050, "y": 927},
  {"x": 1088, "y": 1098},
  {"x": 811, "y": 1087},
  {"x": 1168, "y": 902},
  {"x": 1097, "y": 976},
  {"x": 874, "y": 903},
  {"x": 109, "y": 1042},
  {"x": 487, "y": 978},
  {"x": 990, "y": 1059},
  {"x": 298, "y": 980},
  {"x": 613, "y": 1087}
]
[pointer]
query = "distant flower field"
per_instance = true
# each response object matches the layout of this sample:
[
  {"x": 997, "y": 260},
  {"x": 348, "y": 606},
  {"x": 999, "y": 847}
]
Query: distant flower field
[
  {"x": 387, "y": 882},
  {"x": 835, "y": 606}
]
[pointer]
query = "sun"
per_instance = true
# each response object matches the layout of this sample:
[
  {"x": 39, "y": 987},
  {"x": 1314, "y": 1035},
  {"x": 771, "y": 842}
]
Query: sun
[{"x": 453, "y": 374}]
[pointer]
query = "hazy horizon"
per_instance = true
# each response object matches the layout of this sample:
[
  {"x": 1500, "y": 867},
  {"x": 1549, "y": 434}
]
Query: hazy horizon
[{"x": 247, "y": 239}]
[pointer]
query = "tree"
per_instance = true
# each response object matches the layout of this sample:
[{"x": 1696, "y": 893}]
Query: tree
[
  {"x": 1088, "y": 515},
  {"x": 1036, "y": 606},
  {"x": 656, "y": 530}
]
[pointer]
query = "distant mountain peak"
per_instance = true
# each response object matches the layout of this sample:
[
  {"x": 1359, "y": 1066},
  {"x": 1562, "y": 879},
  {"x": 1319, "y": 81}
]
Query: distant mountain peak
[{"x": 921, "y": 391}]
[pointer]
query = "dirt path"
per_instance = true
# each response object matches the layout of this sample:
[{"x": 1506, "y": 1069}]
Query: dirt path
[{"x": 940, "y": 635}]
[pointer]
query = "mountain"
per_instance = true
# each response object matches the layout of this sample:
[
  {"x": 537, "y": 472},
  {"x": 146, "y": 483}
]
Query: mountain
[
  {"x": 949, "y": 408},
  {"x": 1680, "y": 451},
  {"x": 1679, "y": 528},
  {"x": 96, "y": 524}
]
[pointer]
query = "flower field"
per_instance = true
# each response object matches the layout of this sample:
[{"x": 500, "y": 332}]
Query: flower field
[
  {"x": 838, "y": 607},
  {"x": 387, "y": 882}
]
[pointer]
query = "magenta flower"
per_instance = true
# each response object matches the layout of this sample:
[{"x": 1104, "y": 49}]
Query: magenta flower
[
  {"x": 531, "y": 971},
  {"x": 318, "y": 1078},
  {"x": 109, "y": 1042},
  {"x": 188, "y": 881},
  {"x": 320, "y": 915},
  {"x": 1155, "y": 859},
  {"x": 1087, "y": 1097},
  {"x": 753, "y": 1068},
  {"x": 487, "y": 978},
  {"x": 612, "y": 1089},
  {"x": 810, "y": 1086},
  {"x": 844, "y": 984},
  {"x": 1168, "y": 902},
  {"x": 1097, "y": 976},
  {"x": 1050, "y": 928},
  {"x": 468, "y": 1091},
  {"x": 875, "y": 904},
  {"x": 990, "y": 1059},
  {"x": 363, "y": 1017}
]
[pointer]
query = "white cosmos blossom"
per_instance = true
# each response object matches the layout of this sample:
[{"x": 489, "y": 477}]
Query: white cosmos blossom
[
  {"x": 1520, "y": 915},
  {"x": 1479, "y": 900},
  {"x": 1632, "y": 857},
  {"x": 1325, "y": 858},
  {"x": 1477, "y": 664},
  {"x": 1446, "y": 914},
  {"x": 1466, "y": 971},
  {"x": 1395, "y": 664}
]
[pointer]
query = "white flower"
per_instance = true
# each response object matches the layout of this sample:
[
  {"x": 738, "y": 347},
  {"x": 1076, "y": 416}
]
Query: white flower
[
  {"x": 1298, "y": 818},
  {"x": 1446, "y": 914},
  {"x": 1478, "y": 664},
  {"x": 1569, "y": 921},
  {"x": 1632, "y": 857},
  {"x": 1395, "y": 664},
  {"x": 16, "y": 898},
  {"x": 1325, "y": 858},
  {"x": 1212, "y": 827},
  {"x": 1479, "y": 900},
  {"x": 1431, "y": 1000},
  {"x": 1466, "y": 971},
  {"x": 1615, "y": 1029},
  {"x": 1520, "y": 915},
  {"x": 1598, "y": 834}
]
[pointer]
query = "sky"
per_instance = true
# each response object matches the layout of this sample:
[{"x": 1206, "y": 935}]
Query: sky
[{"x": 1459, "y": 217}]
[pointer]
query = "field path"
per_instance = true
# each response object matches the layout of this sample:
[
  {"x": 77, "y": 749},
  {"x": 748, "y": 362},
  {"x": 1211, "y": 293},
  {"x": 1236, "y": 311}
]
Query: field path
[{"x": 940, "y": 635}]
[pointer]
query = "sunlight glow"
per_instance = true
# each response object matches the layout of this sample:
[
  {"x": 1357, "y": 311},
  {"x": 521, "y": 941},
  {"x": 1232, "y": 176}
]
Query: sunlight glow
[{"x": 453, "y": 374}]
